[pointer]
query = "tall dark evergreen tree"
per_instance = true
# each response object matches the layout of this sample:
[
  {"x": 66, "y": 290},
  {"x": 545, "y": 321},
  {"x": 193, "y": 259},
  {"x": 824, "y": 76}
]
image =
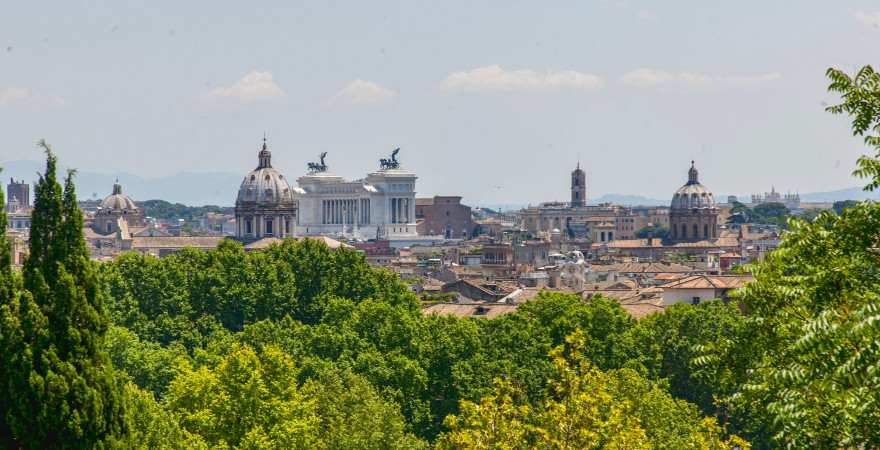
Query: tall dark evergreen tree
[
  {"x": 61, "y": 391},
  {"x": 6, "y": 277}
]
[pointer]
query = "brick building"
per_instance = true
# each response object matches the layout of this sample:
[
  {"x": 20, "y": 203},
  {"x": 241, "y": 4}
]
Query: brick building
[{"x": 444, "y": 215}]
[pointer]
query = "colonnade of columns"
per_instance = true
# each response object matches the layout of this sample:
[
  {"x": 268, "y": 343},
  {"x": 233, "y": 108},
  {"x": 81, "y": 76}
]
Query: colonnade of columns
[
  {"x": 402, "y": 210},
  {"x": 259, "y": 226},
  {"x": 349, "y": 211}
]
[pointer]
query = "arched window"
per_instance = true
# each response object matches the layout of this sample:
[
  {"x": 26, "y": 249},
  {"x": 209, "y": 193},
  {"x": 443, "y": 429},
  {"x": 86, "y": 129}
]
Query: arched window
[
  {"x": 696, "y": 231},
  {"x": 706, "y": 231},
  {"x": 684, "y": 231}
]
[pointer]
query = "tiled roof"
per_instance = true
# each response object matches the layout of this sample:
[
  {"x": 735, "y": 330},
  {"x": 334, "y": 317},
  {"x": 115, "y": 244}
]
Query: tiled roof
[
  {"x": 643, "y": 267},
  {"x": 263, "y": 243},
  {"x": 479, "y": 310},
  {"x": 332, "y": 243},
  {"x": 89, "y": 233},
  {"x": 640, "y": 310},
  {"x": 613, "y": 284},
  {"x": 669, "y": 276},
  {"x": 628, "y": 295},
  {"x": 722, "y": 242},
  {"x": 709, "y": 282}
]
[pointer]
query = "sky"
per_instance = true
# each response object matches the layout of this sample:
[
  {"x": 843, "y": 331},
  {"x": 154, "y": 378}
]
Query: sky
[{"x": 495, "y": 101}]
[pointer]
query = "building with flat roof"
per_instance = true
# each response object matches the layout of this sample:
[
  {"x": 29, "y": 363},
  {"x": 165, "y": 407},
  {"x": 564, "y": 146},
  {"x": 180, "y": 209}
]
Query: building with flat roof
[
  {"x": 380, "y": 206},
  {"x": 444, "y": 215},
  {"x": 18, "y": 195}
]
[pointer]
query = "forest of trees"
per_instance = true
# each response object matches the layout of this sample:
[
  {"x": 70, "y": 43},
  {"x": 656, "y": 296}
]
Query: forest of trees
[
  {"x": 161, "y": 209},
  {"x": 299, "y": 346}
]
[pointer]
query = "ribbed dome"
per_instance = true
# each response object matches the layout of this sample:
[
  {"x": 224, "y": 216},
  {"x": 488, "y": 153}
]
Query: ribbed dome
[
  {"x": 693, "y": 194},
  {"x": 117, "y": 201},
  {"x": 264, "y": 184}
]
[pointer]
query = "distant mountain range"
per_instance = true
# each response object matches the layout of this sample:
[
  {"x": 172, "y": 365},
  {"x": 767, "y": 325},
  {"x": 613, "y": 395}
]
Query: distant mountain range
[
  {"x": 189, "y": 188},
  {"x": 220, "y": 188}
]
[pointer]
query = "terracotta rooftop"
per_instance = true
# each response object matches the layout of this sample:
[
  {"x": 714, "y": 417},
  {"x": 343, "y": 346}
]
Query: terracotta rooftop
[
  {"x": 640, "y": 310},
  {"x": 643, "y": 267},
  {"x": 624, "y": 284},
  {"x": 709, "y": 282},
  {"x": 724, "y": 241},
  {"x": 478, "y": 310}
]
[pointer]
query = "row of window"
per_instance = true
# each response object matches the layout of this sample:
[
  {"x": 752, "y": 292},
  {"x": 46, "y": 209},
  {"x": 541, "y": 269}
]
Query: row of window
[
  {"x": 694, "y": 234},
  {"x": 268, "y": 227}
]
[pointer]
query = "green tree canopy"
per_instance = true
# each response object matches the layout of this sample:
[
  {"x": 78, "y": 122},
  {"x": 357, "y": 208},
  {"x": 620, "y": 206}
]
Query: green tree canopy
[{"x": 839, "y": 206}]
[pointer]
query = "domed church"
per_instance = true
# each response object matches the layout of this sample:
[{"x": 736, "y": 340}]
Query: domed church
[
  {"x": 693, "y": 215},
  {"x": 115, "y": 206},
  {"x": 265, "y": 206}
]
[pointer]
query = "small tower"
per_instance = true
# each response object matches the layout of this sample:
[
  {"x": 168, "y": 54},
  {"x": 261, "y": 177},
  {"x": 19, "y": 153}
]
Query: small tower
[
  {"x": 578, "y": 187},
  {"x": 265, "y": 156}
]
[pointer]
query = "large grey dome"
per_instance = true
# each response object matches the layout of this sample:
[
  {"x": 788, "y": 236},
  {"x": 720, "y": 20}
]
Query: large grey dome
[
  {"x": 693, "y": 195},
  {"x": 264, "y": 184},
  {"x": 117, "y": 201}
]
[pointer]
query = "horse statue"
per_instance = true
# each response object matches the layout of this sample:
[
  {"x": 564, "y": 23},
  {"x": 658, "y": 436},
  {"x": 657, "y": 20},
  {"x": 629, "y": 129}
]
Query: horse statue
[
  {"x": 390, "y": 163},
  {"x": 318, "y": 167}
]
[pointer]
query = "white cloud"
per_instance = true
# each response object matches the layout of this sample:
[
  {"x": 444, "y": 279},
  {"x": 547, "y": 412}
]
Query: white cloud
[
  {"x": 495, "y": 78},
  {"x": 360, "y": 92},
  {"x": 19, "y": 96},
  {"x": 255, "y": 85},
  {"x": 646, "y": 77},
  {"x": 871, "y": 19}
]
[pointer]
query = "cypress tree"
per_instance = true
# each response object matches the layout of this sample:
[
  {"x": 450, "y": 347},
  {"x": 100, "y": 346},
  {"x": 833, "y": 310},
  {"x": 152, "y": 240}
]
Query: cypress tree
[
  {"x": 6, "y": 277},
  {"x": 7, "y": 291},
  {"x": 61, "y": 390}
]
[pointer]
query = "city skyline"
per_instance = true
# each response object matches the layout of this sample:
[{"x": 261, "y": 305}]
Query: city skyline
[{"x": 633, "y": 91}]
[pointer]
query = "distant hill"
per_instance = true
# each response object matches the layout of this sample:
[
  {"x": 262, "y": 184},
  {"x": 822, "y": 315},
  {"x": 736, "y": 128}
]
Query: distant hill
[
  {"x": 628, "y": 200},
  {"x": 189, "y": 188},
  {"x": 220, "y": 188},
  {"x": 855, "y": 193}
]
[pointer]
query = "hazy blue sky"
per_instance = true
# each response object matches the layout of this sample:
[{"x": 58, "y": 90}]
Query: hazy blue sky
[{"x": 495, "y": 101}]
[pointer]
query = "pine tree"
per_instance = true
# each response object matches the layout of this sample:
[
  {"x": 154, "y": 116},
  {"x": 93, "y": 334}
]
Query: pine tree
[{"x": 61, "y": 391}]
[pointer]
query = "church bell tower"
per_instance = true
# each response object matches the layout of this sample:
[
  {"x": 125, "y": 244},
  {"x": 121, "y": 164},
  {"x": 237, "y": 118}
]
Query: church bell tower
[{"x": 578, "y": 187}]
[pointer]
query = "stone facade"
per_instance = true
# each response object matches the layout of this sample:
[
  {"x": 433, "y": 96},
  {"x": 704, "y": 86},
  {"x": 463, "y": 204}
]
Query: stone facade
[
  {"x": 444, "y": 215},
  {"x": 579, "y": 221},
  {"x": 380, "y": 206},
  {"x": 576, "y": 219},
  {"x": 578, "y": 187},
  {"x": 114, "y": 207},
  {"x": 265, "y": 206},
  {"x": 18, "y": 195},
  {"x": 693, "y": 215}
]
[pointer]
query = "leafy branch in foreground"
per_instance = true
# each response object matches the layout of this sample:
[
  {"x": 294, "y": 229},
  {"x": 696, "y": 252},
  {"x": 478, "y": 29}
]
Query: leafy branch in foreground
[{"x": 861, "y": 100}]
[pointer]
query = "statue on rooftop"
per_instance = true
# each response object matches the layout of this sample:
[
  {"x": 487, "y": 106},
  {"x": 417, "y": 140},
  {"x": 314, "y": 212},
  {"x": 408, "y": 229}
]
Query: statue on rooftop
[
  {"x": 390, "y": 163},
  {"x": 319, "y": 166}
]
